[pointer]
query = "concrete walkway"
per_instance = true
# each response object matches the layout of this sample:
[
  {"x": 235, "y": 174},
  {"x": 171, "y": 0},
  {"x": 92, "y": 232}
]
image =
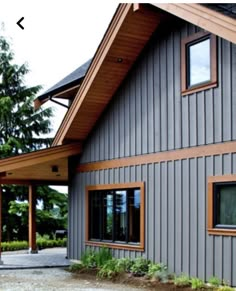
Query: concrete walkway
[{"x": 47, "y": 258}]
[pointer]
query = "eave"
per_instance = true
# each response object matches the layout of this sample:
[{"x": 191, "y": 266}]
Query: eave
[
  {"x": 128, "y": 33},
  {"x": 36, "y": 167}
]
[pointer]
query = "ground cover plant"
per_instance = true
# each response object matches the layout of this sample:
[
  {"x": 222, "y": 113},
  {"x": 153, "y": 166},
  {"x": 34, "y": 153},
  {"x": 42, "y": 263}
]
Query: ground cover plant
[{"x": 141, "y": 272}]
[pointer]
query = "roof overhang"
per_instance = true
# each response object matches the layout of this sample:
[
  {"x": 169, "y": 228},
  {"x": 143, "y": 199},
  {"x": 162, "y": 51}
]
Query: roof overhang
[
  {"x": 128, "y": 33},
  {"x": 208, "y": 19},
  {"x": 47, "y": 166}
]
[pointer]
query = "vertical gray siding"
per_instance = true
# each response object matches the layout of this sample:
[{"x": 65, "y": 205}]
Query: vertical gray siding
[
  {"x": 148, "y": 114},
  {"x": 175, "y": 215}
]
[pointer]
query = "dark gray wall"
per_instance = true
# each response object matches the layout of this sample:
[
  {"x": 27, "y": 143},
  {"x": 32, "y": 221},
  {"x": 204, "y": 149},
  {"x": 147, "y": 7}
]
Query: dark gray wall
[{"x": 148, "y": 114}]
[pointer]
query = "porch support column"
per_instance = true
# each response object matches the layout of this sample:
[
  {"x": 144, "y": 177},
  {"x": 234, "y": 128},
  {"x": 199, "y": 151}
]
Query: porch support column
[
  {"x": 1, "y": 262},
  {"x": 32, "y": 220}
]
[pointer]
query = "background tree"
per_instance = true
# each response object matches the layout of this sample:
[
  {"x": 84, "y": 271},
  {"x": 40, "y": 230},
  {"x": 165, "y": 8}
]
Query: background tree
[{"x": 22, "y": 129}]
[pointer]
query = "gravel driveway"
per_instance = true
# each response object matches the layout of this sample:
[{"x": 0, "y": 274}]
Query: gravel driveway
[{"x": 54, "y": 279}]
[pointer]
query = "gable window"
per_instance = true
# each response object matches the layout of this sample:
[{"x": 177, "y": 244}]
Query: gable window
[
  {"x": 115, "y": 215},
  {"x": 198, "y": 66},
  {"x": 222, "y": 208}
]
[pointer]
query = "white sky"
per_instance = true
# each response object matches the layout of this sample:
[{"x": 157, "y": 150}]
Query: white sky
[{"x": 59, "y": 36}]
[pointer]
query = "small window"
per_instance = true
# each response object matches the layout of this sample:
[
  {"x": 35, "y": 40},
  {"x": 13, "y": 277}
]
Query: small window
[
  {"x": 222, "y": 205},
  {"x": 198, "y": 63},
  {"x": 225, "y": 205},
  {"x": 115, "y": 214}
]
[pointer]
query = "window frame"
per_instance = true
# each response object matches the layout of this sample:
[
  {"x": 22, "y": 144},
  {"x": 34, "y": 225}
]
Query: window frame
[
  {"x": 185, "y": 44},
  {"x": 116, "y": 245},
  {"x": 211, "y": 228}
]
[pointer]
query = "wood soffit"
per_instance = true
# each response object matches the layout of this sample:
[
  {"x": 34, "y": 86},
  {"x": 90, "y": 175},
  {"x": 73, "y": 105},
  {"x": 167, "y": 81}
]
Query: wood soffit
[
  {"x": 129, "y": 31},
  {"x": 49, "y": 166}
]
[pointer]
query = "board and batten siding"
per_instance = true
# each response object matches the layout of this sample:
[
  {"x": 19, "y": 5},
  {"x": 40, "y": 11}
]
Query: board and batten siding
[{"x": 148, "y": 115}]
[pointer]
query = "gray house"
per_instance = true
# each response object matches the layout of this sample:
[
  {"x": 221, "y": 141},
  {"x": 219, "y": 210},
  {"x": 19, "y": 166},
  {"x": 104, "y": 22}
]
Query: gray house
[{"x": 150, "y": 140}]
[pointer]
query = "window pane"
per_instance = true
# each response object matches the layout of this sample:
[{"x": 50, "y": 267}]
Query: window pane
[
  {"x": 134, "y": 216},
  {"x": 107, "y": 215},
  {"x": 120, "y": 216},
  {"x": 226, "y": 202},
  {"x": 95, "y": 214},
  {"x": 199, "y": 62}
]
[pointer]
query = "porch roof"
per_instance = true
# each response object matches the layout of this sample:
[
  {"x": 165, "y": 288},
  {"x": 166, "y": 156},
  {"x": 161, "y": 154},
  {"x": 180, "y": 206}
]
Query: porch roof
[{"x": 47, "y": 166}]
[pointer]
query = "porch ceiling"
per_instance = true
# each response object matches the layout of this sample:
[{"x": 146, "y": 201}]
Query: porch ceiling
[{"x": 48, "y": 166}]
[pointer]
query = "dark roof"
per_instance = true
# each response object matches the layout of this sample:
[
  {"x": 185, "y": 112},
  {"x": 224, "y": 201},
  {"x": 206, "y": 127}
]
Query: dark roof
[
  {"x": 226, "y": 9},
  {"x": 70, "y": 80}
]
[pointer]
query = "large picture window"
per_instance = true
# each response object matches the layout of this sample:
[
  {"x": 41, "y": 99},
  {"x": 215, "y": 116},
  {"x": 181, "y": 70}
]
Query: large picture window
[
  {"x": 198, "y": 66},
  {"x": 115, "y": 214},
  {"x": 222, "y": 205}
]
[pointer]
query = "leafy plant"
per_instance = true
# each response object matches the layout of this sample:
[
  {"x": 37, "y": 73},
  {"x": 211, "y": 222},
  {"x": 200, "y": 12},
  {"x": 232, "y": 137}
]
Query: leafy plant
[
  {"x": 124, "y": 264},
  {"x": 197, "y": 283},
  {"x": 102, "y": 256},
  {"x": 110, "y": 269},
  {"x": 182, "y": 281},
  {"x": 140, "y": 267},
  {"x": 153, "y": 269},
  {"x": 214, "y": 281},
  {"x": 75, "y": 267},
  {"x": 88, "y": 259},
  {"x": 225, "y": 288}
]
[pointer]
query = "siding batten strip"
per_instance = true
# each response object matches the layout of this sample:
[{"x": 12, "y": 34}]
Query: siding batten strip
[{"x": 193, "y": 152}]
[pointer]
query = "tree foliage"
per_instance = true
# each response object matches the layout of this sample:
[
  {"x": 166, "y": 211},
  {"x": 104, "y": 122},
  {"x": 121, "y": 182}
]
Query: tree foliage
[{"x": 22, "y": 129}]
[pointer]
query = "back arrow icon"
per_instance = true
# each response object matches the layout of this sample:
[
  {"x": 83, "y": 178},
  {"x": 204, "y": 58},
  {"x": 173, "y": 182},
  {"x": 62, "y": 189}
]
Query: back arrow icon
[{"x": 19, "y": 23}]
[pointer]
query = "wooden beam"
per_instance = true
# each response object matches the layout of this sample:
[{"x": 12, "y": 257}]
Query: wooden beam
[
  {"x": 203, "y": 17},
  {"x": 32, "y": 220}
]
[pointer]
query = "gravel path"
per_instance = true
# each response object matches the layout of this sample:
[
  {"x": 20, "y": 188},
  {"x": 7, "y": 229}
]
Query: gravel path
[{"x": 54, "y": 279}]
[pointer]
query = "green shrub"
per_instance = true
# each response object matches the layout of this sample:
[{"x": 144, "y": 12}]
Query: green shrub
[
  {"x": 109, "y": 270},
  {"x": 140, "y": 267},
  {"x": 102, "y": 256},
  {"x": 225, "y": 288},
  {"x": 75, "y": 267},
  {"x": 153, "y": 269},
  {"x": 88, "y": 259},
  {"x": 182, "y": 281},
  {"x": 14, "y": 246},
  {"x": 214, "y": 281},
  {"x": 125, "y": 264},
  {"x": 197, "y": 283}
]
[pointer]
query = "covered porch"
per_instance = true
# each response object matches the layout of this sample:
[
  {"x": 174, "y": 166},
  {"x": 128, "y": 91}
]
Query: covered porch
[{"x": 43, "y": 167}]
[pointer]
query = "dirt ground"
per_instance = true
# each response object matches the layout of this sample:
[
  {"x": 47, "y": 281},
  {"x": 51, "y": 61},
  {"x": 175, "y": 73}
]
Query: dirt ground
[{"x": 57, "y": 279}]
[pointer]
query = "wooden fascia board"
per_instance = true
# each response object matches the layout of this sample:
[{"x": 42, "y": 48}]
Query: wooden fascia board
[
  {"x": 33, "y": 182},
  {"x": 203, "y": 17},
  {"x": 96, "y": 64},
  {"x": 39, "y": 157}
]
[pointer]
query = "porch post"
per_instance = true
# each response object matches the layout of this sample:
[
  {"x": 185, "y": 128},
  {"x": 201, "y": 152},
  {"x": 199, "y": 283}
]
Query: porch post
[
  {"x": 1, "y": 262},
  {"x": 32, "y": 220}
]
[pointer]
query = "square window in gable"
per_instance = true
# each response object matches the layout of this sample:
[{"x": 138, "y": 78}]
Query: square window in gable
[{"x": 198, "y": 65}]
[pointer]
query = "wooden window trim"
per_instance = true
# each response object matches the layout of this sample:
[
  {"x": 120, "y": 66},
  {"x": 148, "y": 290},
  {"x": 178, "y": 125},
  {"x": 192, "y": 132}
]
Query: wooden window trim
[
  {"x": 139, "y": 247},
  {"x": 213, "y": 51},
  {"x": 210, "y": 226}
]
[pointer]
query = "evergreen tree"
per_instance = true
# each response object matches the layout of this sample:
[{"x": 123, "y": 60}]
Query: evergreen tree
[
  {"x": 21, "y": 131},
  {"x": 21, "y": 128}
]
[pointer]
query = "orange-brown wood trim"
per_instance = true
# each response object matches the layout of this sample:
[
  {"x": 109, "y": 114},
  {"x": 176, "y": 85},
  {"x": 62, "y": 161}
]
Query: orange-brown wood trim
[
  {"x": 203, "y": 17},
  {"x": 115, "y": 246},
  {"x": 213, "y": 54},
  {"x": 210, "y": 205},
  {"x": 40, "y": 156},
  {"x": 210, "y": 226},
  {"x": 225, "y": 232},
  {"x": 104, "y": 47},
  {"x": 0, "y": 222},
  {"x": 193, "y": 152},
  {"x": 32, "y": 182},
  {"x": 32, "y": 219},
  {"x": 140, "y": 185}
]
